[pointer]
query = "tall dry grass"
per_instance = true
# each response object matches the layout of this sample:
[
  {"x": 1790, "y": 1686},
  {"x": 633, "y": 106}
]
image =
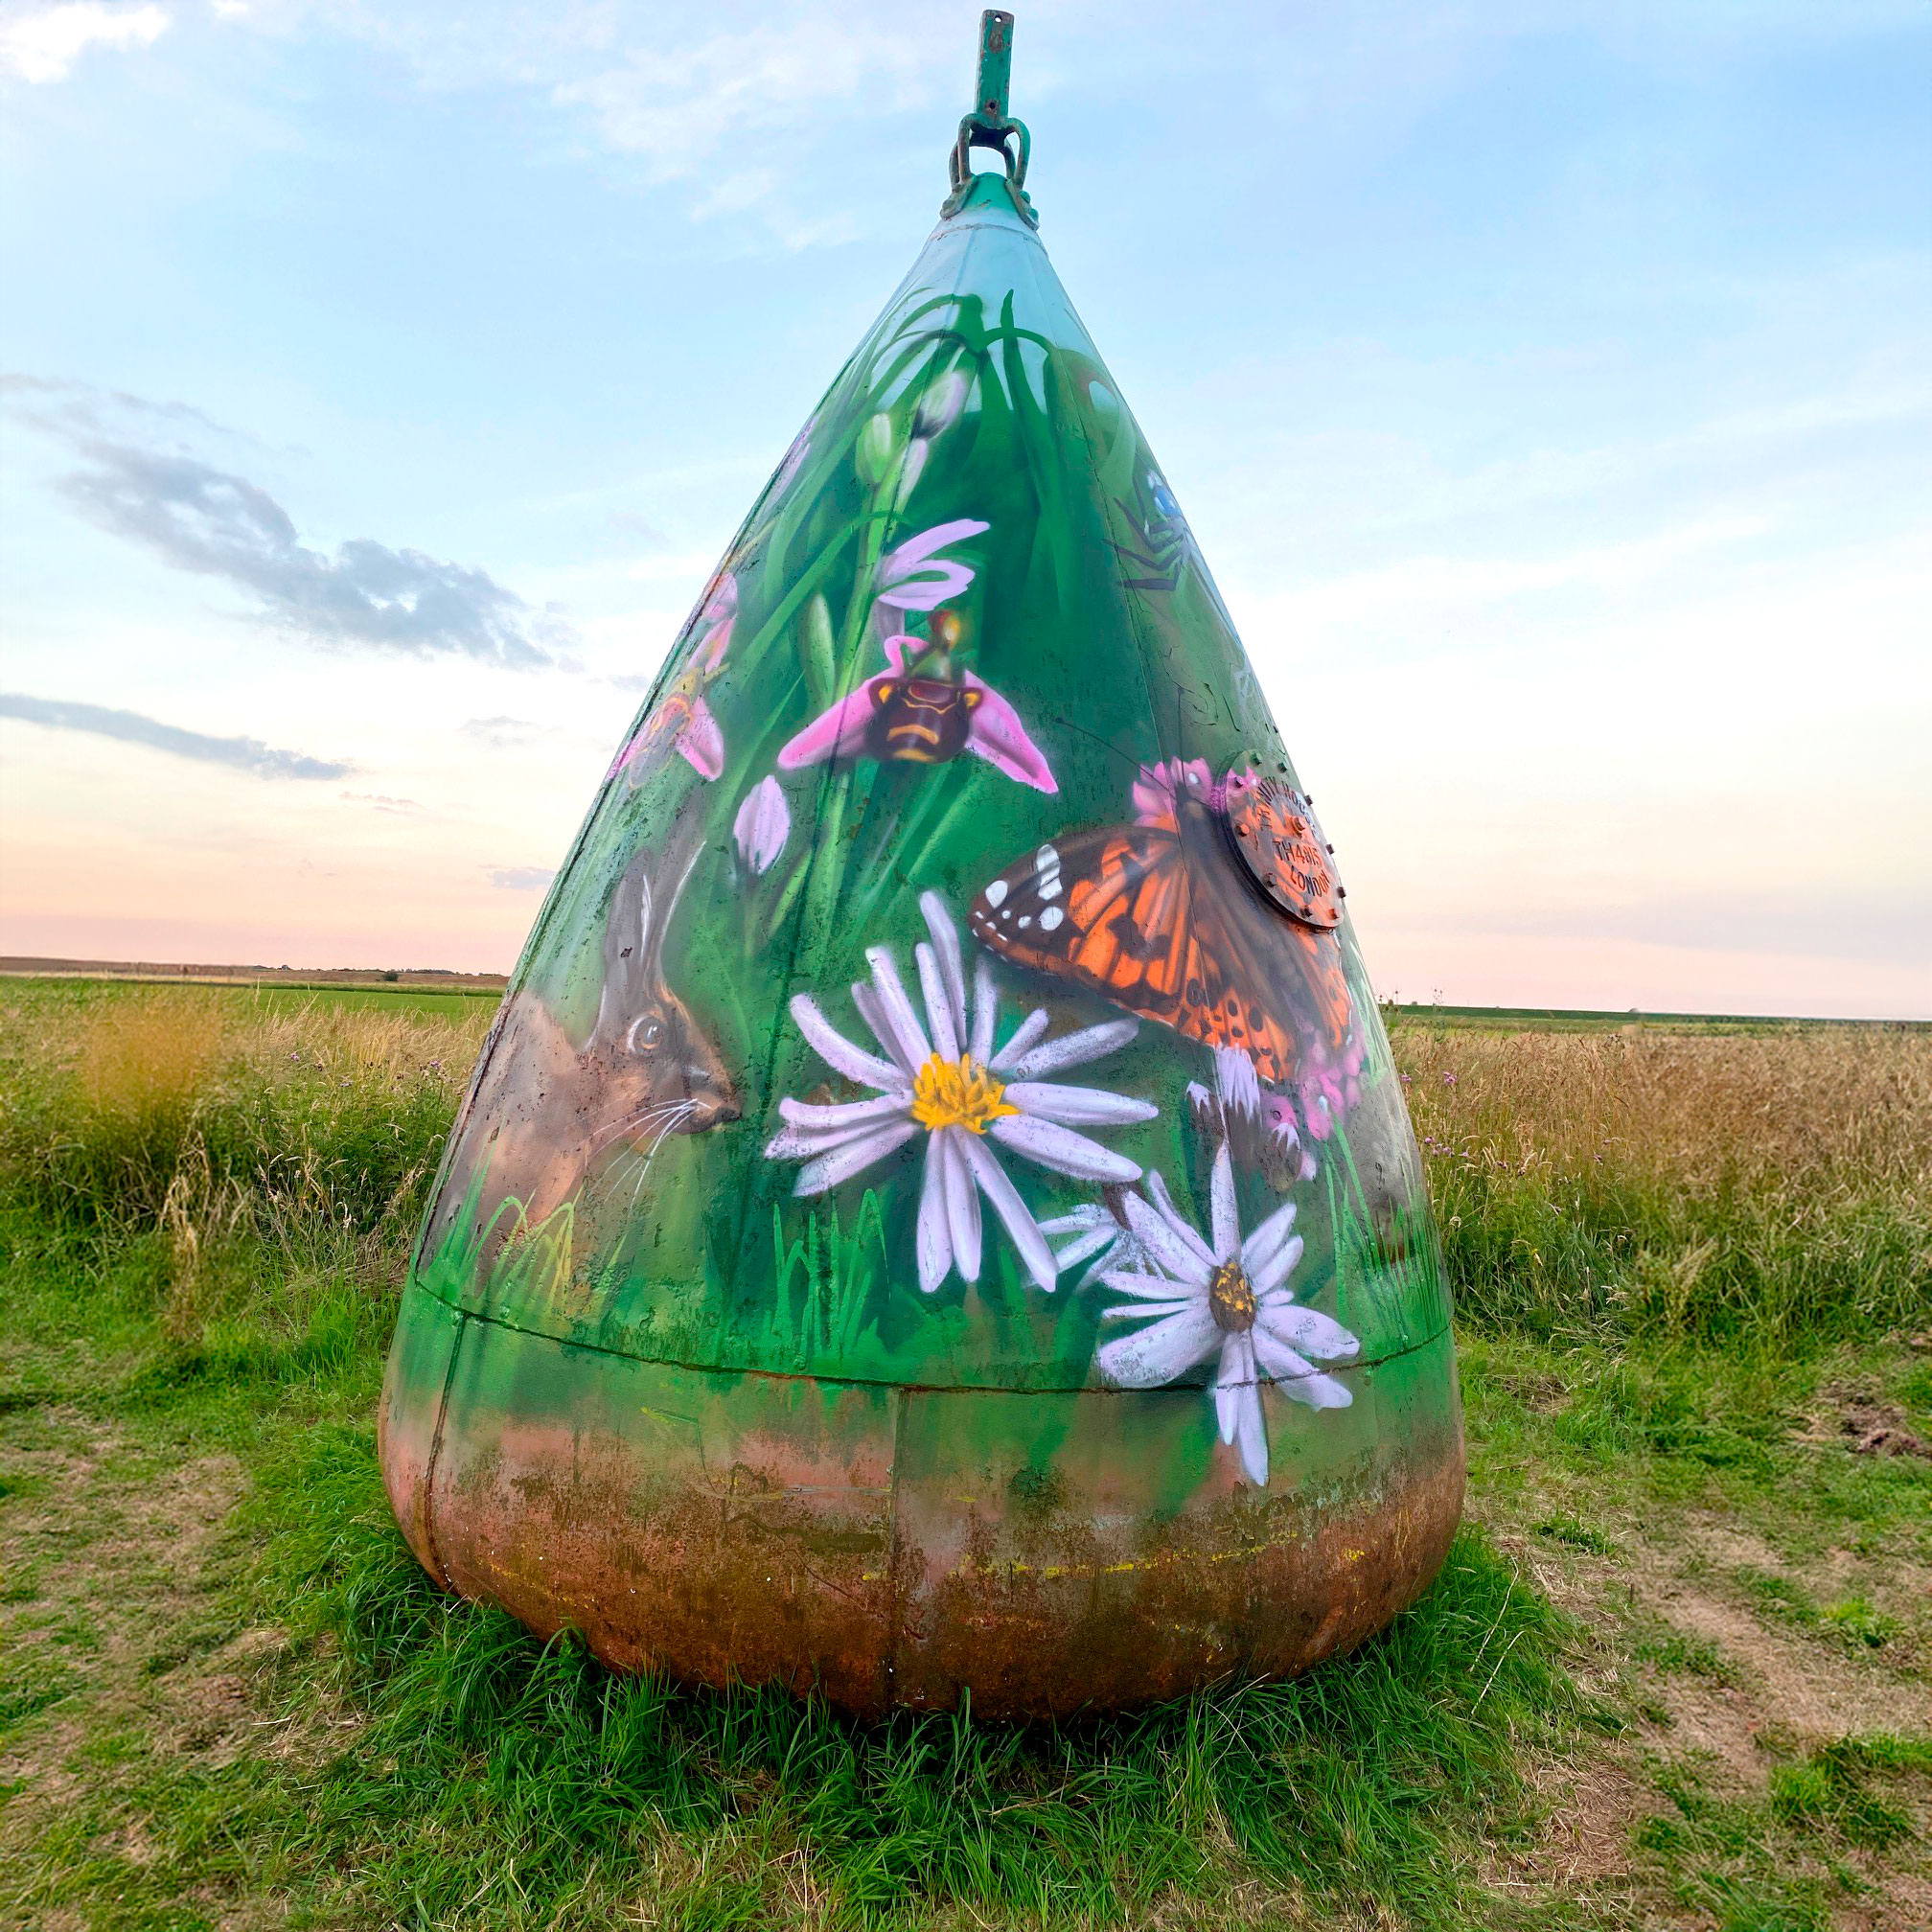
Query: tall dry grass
[
  {"x": 254, "y": 1143},
  {"x": 1773, "y": 1185}
]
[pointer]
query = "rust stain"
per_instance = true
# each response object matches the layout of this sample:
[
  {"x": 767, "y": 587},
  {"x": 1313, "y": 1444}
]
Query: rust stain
[{"x": 800, "y": 1560}]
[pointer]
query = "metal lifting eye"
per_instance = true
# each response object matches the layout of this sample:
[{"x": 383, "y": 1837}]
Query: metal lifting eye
[{"x": 989, "y": 125}]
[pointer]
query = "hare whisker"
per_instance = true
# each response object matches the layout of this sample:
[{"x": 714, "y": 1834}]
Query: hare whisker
[{"x": 679, "y": 1113}]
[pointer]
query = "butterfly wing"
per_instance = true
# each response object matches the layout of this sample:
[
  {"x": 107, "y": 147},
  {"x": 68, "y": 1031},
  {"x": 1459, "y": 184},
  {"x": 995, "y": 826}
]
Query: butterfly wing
[
  {"x": 1126, "y": 913},
  {"x": 1101, "y": 908}
]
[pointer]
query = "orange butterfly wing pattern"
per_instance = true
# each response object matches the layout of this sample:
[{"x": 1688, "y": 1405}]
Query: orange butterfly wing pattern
[{"x": 1130, "y": 913}]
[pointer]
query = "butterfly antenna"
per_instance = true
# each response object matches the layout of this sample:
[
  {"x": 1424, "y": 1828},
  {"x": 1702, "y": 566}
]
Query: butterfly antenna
[{"x": 1106, "y": 744}]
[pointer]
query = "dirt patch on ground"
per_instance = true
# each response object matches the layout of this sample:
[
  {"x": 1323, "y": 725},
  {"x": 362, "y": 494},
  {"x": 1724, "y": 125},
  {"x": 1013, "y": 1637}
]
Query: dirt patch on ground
[
  {"x": 106, "y": 1550},
  {"x": 1789, "y": 1681},
  {"x": 1772, "y": 1682},
  {"x": 1902, "y": 1903},
  {"x": 1586, "y": 1834},
  {"x": 1856, "y": 1419}
]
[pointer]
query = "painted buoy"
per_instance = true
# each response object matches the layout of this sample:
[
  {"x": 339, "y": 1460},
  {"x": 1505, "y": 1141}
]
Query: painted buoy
[{"x": 936, "y": 1213}]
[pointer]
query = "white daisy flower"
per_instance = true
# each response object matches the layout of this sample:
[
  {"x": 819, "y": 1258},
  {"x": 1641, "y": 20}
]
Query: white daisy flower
[
  {"x": 944, "y": 1079},
  {"x": 1225, "y": 1299},
  {"x": 1098, "y": 1230}
]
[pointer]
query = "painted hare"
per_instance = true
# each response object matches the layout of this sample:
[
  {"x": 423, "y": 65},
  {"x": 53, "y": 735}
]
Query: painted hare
[{"x": 547, "y": 1113}]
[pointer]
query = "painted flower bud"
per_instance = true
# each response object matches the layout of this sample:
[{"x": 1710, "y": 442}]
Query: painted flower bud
[
  {"x": 940, "y": 405},
  {"x": 877, "y": 447},
  {"x": 909, "y": 468},
  {"x": 816, "y": 649},
  {"x": 761, "y": 826}
]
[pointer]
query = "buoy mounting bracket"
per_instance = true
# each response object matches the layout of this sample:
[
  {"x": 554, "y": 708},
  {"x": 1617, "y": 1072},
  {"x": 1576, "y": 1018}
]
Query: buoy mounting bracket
[{"x": 989, "y": 125}]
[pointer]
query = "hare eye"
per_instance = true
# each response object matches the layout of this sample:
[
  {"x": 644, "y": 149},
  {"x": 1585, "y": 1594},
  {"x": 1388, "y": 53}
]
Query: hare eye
[{"x": 648, "y": 1037}]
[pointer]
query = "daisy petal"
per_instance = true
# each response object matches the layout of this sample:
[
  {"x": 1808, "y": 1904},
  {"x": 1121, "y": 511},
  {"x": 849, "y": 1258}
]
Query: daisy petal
[
  {"x": 1234, "y": 1076},
  {"x": 963, "y": 1203},
  {"x": 1253, "y": 1438},
  {"x": 1296, "y": 1377},
  {"x": 1157, "y": 1188},
  {"x": 1078, "y": 1220},
  {"x": 934, "y": 1242},
  {"x": 946, "y": 946},
  {"x": 1144, "y": 1311},
  {"x": 1308, "y": 1330},
  {"x": 1077, "y": 1106},
  {"x": 1232, "y": 1379},
  {"x": 1159, "y": 1352},
  {"x": 839, "y": 1053},
  {"x": 1265, "y": 1242},
  {"x": 1225, "y": 1234},
  {"x": 1028, "y": 1030},
  {"x": 866, "y": 997},
  {"x": 1010, "y": 1209},
  {"x": 1162, "y": 1240},
  {"x": 1072, "y": 1049},
  {"x": 908, "y": 1036},
  {"x": 844, "y": 1114},
  {"x": 829, "y": 1169},
  {"x": 1276, "y": 1271},
  {"x": 806, "y": 1144},
  {"x": 1317, "y": 1392},
  {"x": 1149, "y": 1287},
  {"x": 939, "y": 1012},
  {"x": 1061, "y": 1149},
  {"x": 985, "y": 1012},
  {"x": 1077, "y": 1250}
]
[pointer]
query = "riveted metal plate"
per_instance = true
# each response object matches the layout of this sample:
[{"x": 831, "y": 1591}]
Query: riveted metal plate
[{"x": 1281, "y": 844}]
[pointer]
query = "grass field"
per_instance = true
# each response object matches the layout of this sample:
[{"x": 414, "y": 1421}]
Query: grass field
[{"x": 1678, "y": 1671}]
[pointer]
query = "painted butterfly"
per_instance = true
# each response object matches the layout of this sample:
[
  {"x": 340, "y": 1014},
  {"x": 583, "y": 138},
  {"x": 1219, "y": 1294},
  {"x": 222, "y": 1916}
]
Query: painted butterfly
[{"x": 1175, "y": 916}]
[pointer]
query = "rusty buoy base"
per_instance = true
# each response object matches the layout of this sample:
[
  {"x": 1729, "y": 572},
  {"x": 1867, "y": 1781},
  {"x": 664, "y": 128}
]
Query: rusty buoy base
[{"x": 898, "y": 1545}]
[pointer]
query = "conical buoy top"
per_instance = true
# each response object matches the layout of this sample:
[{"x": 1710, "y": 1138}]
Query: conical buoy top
[{"x": 938, "y": 1211}]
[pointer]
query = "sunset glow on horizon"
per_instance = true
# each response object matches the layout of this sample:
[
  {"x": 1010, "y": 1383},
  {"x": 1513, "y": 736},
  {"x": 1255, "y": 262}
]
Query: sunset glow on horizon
[{"x": 1550, "y": 398}]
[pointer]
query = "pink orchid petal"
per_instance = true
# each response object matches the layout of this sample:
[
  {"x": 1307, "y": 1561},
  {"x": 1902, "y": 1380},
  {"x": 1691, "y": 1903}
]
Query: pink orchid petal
[
  {"x": 763, "y": 825},
  {"x": 711, "y": 653},
  {"x": 998, "y": 736},
  {"x": 912, "y": 578},
  {"x": 702, "y": 742},
  {"x": 643, "y": 740},
  {"x": 836, "y": 733},
  {"x": 915, "y": 550},
  {"x": 944, "y": 578}
]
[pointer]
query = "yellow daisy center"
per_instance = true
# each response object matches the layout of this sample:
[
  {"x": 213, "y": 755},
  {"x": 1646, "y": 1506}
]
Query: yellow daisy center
[
  {"x": 958, "y": 1094},
  {"x": 1230, "y": 1298}
]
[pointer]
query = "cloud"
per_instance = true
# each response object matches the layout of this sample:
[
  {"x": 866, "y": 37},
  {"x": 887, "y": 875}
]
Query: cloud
[
  {"x": 676, "y": 106},
  {"x": 504, "y": 734},
  {"x": 521, "y": 878},
  {"x": 39, "y": 44},
  {"x": 382, "y": 801},
  {"x": 641, "y": 528},
  {"x": 245, "y": 754},
  {"x": 199, "y": 517}
]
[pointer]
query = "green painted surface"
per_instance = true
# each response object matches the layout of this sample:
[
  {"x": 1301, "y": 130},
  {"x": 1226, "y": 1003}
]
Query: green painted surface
[{"x": 962, "y": 684}]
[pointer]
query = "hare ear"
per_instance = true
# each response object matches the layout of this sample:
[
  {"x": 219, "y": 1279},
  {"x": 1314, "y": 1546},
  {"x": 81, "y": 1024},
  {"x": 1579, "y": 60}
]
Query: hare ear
[
  {"x": 627, "y": 938},
  {"x": 654, "y": 945}
]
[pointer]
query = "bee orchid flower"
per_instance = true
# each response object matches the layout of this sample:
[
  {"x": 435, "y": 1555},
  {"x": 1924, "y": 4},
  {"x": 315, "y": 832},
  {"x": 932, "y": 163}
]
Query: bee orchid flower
[
  {"x": 899, "y": 715},
  {"x": 682, "y": 718}
]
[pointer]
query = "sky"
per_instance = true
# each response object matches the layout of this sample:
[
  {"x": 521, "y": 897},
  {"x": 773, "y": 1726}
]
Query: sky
[{"x": 1549, "y": 387}]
